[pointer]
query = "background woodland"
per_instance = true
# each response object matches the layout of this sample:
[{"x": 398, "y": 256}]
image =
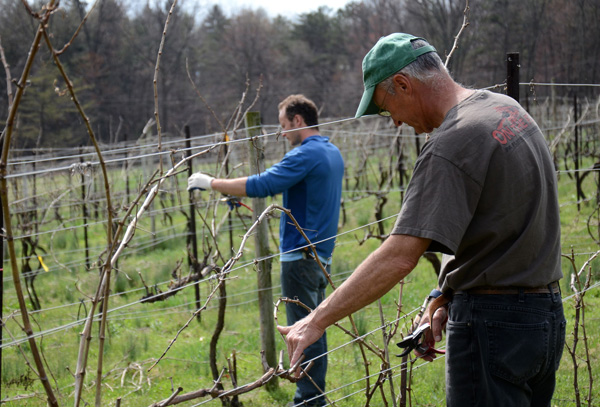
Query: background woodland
[{"x": 319, "y": 54}]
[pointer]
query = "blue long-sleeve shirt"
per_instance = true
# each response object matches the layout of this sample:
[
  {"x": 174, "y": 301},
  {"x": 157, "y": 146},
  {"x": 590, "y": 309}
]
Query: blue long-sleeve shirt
[{"x": 310, "y": 178}]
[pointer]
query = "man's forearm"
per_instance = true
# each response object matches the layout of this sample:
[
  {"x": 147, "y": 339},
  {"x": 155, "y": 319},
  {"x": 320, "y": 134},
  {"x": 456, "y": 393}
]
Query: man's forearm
[
  {"x": 234, "y": 187},
  {"x": 374, "y": 277}
]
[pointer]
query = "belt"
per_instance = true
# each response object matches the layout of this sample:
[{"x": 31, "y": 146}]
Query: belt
[{"x": 552, "y": 288}]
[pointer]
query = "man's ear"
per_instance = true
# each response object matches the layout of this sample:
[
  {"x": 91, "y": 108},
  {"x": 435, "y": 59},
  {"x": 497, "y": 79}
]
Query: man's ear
[
  {"x": 402, "y": 83},
  {"x": 298, "y": 121}
]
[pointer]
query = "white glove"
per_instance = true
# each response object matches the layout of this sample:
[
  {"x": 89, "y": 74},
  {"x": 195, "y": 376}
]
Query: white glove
[{"x": 199, "y": 181}]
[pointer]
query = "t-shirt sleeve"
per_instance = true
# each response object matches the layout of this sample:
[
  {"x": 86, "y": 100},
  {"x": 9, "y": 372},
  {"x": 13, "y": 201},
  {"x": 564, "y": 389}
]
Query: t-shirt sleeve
[{"x": 439, "y": 204}]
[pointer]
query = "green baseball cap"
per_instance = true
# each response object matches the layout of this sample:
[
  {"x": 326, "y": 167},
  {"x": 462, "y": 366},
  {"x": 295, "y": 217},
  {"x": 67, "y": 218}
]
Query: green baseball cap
[{"x": 388, "y": 56}]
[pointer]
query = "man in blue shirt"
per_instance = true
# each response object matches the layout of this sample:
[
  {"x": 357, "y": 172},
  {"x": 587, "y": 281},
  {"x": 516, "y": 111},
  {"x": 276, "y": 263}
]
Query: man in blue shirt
[{"x": 310, "y": 179}]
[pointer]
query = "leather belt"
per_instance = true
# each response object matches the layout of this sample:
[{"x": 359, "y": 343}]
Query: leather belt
[{"x": 553, "y": 288}]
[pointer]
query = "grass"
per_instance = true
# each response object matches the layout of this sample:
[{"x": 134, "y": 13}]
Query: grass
[
  {"x": 138, "y": 333},
  {"x": 133, "y": 343}
]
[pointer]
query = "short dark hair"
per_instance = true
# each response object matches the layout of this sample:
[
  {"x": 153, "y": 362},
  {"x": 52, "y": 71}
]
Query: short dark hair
[{"x": 300, "y": 104}]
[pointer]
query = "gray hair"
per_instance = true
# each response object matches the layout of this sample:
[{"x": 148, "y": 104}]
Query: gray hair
[{"x": 426, "y": 68}]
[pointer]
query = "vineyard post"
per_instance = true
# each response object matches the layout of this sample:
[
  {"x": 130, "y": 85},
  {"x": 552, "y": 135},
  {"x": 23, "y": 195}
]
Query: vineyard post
[
  {"x": 512, "y": 75},
  {"x": 192, "y": 239},
  {"x": 127, "y": 167},
  {"x": 263, "y": 264},
  {"x": 576, "y": 152},
  {"x": 84, "y": 211},
  {"x": 33, "y": 211},
  {"x": 417, "y": 145}
]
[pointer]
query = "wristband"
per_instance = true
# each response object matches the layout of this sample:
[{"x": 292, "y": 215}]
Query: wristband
[{"x": 435, "y": 293}]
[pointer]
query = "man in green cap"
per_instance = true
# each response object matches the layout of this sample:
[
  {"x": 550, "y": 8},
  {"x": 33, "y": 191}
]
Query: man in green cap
[{"x": 483, "y": 193}]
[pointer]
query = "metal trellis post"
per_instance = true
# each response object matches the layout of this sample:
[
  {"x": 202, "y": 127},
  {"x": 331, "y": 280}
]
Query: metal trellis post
[{"x": 512, "y": 75}]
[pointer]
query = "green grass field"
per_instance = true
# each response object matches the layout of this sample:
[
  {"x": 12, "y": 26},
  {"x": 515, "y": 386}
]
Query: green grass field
[{"x": 139, "y": 333}]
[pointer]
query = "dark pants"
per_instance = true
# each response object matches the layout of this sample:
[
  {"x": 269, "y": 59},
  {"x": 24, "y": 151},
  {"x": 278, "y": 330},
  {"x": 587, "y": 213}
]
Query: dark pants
[
  {"x": 503, "y": 350},
  {"x": 304, "y": 280}
]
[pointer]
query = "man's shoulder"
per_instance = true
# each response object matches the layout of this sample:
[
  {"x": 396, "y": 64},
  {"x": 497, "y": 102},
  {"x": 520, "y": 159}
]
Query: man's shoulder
[
  {"x": 317, "y": 143},
  {"x": 313, "y": 140},
  {"x": 486, "y": 98},
  {"x": 316, "y": 153}
]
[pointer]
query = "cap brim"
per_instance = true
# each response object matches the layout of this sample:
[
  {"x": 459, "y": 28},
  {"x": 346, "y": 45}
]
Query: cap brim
[{"x": 366, "y": 105}]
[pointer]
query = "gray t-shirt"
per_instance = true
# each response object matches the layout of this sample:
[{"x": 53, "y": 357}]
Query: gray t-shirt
[{"x": 484, "y": 190}]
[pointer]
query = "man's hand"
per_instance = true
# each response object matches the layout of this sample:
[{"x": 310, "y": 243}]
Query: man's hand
[
  {"x": 199, "y": 181},
  {"x": 299, "y": 337},
  {"x": 433, "y": 335}
]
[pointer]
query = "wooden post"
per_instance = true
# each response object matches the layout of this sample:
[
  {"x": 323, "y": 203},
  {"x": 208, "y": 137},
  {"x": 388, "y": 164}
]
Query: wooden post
[
  {"x": 261, "y": 238},
  {"x": 192, "y": 239},
  {"x": 512, "y": 75}
]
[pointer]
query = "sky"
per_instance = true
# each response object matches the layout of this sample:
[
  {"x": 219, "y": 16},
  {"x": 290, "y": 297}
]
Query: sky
[{"x": 287, "y": 8}]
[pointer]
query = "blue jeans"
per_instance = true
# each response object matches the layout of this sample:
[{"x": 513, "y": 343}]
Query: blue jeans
[
  {"x": 304, "y": 280},
  {"x": 503, "y": 350}
]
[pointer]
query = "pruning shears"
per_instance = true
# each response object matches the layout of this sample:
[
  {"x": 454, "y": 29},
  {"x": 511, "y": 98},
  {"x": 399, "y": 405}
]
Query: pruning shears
[
  {"x": 234, "y": 202},
  {"x": 415, "y": 341}
]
